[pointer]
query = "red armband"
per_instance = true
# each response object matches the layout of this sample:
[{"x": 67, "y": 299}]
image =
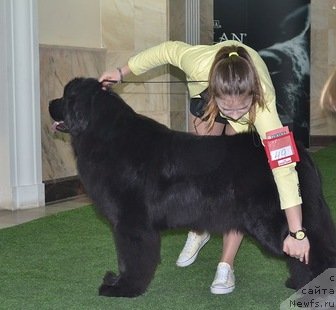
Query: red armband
[{"x": 280, "y": 147}]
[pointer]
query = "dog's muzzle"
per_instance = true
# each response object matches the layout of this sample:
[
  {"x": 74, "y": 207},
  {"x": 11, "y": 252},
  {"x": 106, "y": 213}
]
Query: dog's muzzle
[{"x": 59, "y": 126}]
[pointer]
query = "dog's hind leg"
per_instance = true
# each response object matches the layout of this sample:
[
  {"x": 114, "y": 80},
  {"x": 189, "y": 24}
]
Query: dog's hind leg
[
  {"x": 300, "y": 274},
  {"x": 138, "y": 253},
  {"x": 321, "y": 257}
]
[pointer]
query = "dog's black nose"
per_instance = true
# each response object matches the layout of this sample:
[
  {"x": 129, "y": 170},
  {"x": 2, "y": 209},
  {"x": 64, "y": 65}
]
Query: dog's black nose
[{"x": 56, "y": 110}]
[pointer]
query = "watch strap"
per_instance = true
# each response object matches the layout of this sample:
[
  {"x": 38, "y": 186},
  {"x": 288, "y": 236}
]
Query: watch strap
[{"x": 295, "y": 234}]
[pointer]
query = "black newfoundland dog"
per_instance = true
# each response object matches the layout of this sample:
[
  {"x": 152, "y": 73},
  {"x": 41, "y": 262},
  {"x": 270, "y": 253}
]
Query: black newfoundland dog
[{"x": 145, "y": 178}]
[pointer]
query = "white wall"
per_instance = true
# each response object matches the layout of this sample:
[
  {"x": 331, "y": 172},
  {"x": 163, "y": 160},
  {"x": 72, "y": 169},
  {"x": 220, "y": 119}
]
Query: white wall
[
  {"x": 70, "y": 23},
  {"x": 20, "y": 126},
  {"x": 5, "y": 67}
]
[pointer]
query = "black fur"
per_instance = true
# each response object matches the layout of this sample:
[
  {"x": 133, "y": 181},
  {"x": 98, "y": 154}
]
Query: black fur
[{"x": 146, "y": 178}]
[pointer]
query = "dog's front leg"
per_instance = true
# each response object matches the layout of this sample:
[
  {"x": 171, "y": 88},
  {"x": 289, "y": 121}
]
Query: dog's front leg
[{"x": 138, "y": 253}]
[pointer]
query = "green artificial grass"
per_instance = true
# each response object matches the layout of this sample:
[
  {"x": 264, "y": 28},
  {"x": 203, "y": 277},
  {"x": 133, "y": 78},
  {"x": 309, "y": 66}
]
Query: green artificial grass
[
  {"x": 326, "y": 162},
  {"x": 58, "y": 262}
]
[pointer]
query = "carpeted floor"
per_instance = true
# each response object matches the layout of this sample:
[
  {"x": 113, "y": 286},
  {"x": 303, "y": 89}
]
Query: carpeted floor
[{"x": 57, "y": 262}]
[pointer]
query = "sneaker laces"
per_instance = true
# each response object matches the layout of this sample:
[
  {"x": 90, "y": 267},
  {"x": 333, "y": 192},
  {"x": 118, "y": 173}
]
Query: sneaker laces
[
  {"x": 189, "y": 245},
  {"x": 222, "y": 273}
]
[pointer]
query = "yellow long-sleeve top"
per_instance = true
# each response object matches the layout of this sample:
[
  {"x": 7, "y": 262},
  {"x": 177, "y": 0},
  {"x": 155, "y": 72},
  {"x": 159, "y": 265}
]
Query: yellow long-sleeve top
[{"x": 196, "y": 62}]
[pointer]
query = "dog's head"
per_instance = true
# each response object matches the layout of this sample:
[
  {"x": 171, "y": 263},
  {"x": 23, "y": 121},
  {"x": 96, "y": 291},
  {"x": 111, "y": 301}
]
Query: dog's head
[{"x": 71, "y": 112}]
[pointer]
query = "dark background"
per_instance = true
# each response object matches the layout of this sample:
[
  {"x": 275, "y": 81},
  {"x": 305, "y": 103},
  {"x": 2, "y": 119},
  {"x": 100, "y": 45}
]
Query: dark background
[{"x": 280, "y": 32}]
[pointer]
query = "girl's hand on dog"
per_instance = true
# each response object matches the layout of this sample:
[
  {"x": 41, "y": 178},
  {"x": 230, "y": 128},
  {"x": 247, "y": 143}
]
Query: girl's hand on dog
[
  {"x": 114, "y": 76},
  {"x": 297, "y": 248},
  {"x": 110, "y": 77}
]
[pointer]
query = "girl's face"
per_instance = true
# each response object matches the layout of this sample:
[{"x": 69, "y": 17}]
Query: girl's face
[{"x": 234, "y": 106}]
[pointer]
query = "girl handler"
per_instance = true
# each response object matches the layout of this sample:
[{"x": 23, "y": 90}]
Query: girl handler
[{"x": 233, "y": 93}]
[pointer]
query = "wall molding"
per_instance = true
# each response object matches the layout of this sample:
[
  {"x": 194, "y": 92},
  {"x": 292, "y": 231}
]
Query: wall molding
[{"x": 321, "y": 140}]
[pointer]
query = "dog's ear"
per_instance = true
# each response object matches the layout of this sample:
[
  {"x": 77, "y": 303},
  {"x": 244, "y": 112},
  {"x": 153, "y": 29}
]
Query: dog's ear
[{"x": 78, "y": 95}]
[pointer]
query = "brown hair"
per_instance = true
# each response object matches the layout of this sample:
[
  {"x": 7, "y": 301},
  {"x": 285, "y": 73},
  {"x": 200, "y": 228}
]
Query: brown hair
[
  {"x": 328, "y": 95},
  {"x": 233, "y": 73}
]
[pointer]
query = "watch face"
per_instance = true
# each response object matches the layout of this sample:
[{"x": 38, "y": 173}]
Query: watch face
[{"x": 300, "y": 235}]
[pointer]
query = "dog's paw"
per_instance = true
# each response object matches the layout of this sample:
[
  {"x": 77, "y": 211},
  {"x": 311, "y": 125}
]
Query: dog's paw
[
  {"x": 289, "y": 284},
  {"x": 118, "y": 291},
  {"x": 108, "y": 291},
  {"x": 117, "y": 286},
  {"x": 110, "y": 278}
]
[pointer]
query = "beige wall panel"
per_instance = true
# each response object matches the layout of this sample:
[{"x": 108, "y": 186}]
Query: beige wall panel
[
  {"x": 323, "y": 62},
  {"x": 70, "y": 22}
]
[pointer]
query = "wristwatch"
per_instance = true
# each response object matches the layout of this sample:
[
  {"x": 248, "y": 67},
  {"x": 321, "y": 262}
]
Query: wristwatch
[{"x": 299, "y": 235}]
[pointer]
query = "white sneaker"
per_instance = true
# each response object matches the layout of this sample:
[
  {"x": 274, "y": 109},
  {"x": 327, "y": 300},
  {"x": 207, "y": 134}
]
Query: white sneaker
[
  {"x": 224, "y": 281},
  {"x": 191, "y": 248}
]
